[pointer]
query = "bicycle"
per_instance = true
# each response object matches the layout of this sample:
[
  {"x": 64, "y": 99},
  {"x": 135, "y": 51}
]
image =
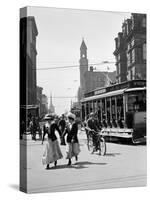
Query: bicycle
[{"x": 96, "y": 143}]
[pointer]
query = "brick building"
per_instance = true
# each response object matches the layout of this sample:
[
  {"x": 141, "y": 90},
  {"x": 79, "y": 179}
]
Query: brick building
[{"x": 130, "y": 49}]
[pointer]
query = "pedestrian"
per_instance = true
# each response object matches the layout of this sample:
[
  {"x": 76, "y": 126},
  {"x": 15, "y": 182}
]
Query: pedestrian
[
  {"x": 22, "y": 129},
  {"x": 45, "y": 128},
  {"x": 33, "y": 128},
  {"x": 72, "y": 148},
  {"x": 62, "y": 125},
  {"x": 52, "y": 150}
]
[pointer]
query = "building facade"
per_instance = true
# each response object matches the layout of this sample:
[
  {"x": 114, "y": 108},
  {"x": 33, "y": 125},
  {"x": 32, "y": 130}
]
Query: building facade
[
  {"x": 130, "y": 51},
  {"x": 121, "y": 59},
  {"x": 42, "y": 102},
  {"x": 28, "y": 53},
  {"x": 44, "y": 105},
  {"x": 39, "y": 98}
]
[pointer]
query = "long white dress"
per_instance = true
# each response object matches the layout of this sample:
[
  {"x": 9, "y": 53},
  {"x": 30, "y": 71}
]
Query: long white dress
[{"x": 52, "y": 151}]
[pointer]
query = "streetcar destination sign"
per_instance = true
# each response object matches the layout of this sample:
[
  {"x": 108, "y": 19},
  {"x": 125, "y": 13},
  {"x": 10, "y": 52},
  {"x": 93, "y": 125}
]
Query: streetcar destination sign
[{"x": 100, "y": 91}]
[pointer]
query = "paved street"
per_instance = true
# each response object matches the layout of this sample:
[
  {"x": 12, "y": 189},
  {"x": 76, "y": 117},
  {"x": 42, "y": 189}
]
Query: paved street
[{"x": 123, "y": 165}]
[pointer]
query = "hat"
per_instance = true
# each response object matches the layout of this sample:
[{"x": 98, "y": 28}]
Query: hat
[
  {"x": 71, "y": 116},
  {"x": 49, "y": 117},
  {"x": 46, "y": 118},
  {"x": 91, "y": 114}
]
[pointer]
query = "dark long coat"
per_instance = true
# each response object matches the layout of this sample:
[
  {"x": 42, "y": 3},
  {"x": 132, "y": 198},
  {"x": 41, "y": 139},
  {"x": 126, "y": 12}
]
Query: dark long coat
[{"x": 71, "y": 133}]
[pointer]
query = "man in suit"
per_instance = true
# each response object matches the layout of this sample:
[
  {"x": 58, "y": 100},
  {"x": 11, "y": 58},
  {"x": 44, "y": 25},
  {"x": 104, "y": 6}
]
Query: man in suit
[{"x": 93, "y": 126}]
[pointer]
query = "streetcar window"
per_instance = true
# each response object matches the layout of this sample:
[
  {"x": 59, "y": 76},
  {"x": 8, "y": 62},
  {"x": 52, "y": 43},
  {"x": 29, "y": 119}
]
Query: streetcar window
[
  {"x": 113, "y": 106},
  {"x": 103, "y": 109},
  {"x": 99, "y": 104},
  {"x": 120, "y": 107},
  {"x": 90, "y": 104},
  {"x": 87, "y": 109},
  {"x": 83, "y": 112},
  {"x": 137, "y": 101},
  {"x": 108, "y": 108}
]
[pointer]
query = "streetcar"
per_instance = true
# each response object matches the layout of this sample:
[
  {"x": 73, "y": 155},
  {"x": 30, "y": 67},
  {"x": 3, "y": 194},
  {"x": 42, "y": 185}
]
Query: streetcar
[{"x": 120, "y": 109}]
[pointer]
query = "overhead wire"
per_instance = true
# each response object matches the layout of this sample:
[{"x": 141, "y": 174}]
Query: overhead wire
[{"x": 74, "y": 66}]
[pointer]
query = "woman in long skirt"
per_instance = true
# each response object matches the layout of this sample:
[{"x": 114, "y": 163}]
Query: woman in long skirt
[
  {"x": 52, "y": 151},
  {"x": 72, "y": 149}
]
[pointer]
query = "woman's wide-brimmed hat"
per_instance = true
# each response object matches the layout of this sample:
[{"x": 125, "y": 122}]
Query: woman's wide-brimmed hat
[
  {"x": 91, "y": 114},
  {"x": 71, "y": 116},
  {"x": 49, "y": 117}
]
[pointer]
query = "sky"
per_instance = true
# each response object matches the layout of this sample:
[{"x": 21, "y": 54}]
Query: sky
[{"x": 60, "y": 33}]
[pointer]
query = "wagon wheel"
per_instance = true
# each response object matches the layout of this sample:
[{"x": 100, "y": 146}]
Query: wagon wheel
[
  {"x": 90, "y": 144},
  {"x": 102, "y": 146}
]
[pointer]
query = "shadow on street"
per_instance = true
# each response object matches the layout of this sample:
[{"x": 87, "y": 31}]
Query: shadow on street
[
  {"x": 78, "y": 165},
  {"x": 112, "y": 154}
]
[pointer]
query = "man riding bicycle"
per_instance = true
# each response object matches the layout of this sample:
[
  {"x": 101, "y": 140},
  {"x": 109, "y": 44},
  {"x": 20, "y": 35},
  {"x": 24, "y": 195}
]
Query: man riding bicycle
[{"x": 93, "y": 128}]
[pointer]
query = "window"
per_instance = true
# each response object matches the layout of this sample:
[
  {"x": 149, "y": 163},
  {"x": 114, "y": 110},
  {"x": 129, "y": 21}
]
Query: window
[
  {"x": 133, "y": 73},
  {"x": 137, "y": 101},
  {"x": 103, "y": 109},
  {"x": 133, "y": 56},
  {"x": 144, "y": 22},
  {"x": 128, "y": 46},
  {"x": 130, "y": 54},
  {"x": 119, "y": 79},
  {"x": 119, "y": 107},
  {"x": 119, "y": 70},
  {"x": 132, "y": 42},
  {"x": 129, "y": 75},
  {"x": 118, "y": 42},
  {"x": 128, "y": 26},
  {"x": 144, "y": 51},
  {"x": 139, "y": 54},
  {"x": 128, "y": 59},
  {"x": 118, "y": 58},
  {"x": 123, "y": 30},
  {"x": 108, "y": 108}
]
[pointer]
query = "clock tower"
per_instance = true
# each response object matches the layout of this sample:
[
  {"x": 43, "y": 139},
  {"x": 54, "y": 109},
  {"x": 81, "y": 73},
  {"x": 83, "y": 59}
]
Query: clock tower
[{"x": 83, "y": 66}]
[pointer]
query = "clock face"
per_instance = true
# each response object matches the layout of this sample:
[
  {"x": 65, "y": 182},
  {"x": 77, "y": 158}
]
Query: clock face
[{"x": 83, "y": 56}]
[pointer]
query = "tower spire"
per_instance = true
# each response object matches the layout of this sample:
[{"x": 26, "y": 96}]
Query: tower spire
[
  {"x": 83, "y": 67},
  {"x": 51, "y": 103},
  {"x": 83, "y": 45},
  {"x": 51, "y": 107}
]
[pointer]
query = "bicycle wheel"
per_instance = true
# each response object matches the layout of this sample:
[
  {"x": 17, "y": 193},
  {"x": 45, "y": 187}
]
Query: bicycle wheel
[
  {"x": 90, "y": 144},
  {"x": 102, "y": 146}
]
